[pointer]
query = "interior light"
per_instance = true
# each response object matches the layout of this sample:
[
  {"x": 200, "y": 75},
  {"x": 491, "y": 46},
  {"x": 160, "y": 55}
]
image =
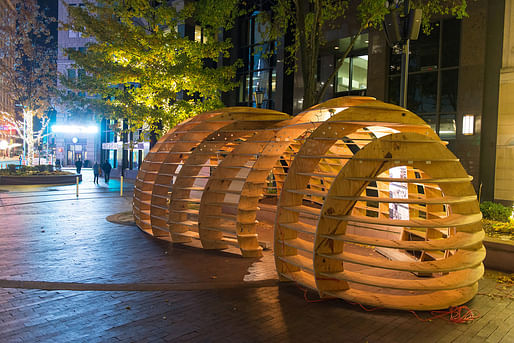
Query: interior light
[{"x": 468, "y": 124}]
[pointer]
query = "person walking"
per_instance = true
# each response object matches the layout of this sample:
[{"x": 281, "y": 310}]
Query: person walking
[
  {"x": 107, "y": 170},
  {"x": 96, "y": 172},
  {"x": 78, "y": 164}
]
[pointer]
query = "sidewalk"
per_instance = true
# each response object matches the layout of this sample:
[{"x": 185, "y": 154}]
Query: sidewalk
[{"x": 107, "y": 283}]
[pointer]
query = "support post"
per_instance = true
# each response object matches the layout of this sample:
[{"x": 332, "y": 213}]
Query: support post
[
  {"x": 77, "y": 186},
  {"x": 404, "y": 78},
  {"x": 121, "y": 186}
]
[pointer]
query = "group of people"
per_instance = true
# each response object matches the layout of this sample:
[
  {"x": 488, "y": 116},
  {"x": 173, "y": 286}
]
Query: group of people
[{"x": 99, "y": 168}]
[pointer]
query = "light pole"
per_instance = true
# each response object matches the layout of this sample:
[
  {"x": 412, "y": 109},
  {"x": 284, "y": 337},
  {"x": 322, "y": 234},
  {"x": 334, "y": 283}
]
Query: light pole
[
  {"x": 403, "y": 30},
  {"x": 74, "y": 141},
  {"x": 259, "y": 97}
]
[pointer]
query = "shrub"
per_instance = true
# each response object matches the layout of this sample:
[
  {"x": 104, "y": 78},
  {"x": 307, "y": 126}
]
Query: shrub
[
  {"x": 504, "y": 228},
  {"x": 494, "y": 211}
]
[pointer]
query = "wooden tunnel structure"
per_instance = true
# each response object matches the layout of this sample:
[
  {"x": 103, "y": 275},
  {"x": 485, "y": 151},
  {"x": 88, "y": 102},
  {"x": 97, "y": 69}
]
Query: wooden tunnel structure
[{"x": 370, "y": 205}]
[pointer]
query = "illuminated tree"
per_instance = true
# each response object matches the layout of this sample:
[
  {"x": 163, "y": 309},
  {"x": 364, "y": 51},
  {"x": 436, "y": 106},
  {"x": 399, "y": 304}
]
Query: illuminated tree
[
  {"x": 27, "y": 69},
  {"x": 142, "y": 68}
]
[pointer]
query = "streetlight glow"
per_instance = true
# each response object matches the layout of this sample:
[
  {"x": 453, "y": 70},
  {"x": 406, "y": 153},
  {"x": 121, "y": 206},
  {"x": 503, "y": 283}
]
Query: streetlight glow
[{"x": 74, "y": 129}]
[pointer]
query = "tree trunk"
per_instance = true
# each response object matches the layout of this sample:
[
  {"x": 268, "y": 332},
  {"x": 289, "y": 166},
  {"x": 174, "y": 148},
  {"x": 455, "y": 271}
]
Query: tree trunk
[
  {"x": 28, "y": 117},
  {"x": 309, "y": 50}
]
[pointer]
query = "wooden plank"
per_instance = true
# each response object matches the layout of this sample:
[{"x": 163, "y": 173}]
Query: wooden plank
[
  {"x": 299, "y": 261},
  {"x": 302, "y": 278},
  {"x": 453, "y": 220},
  {"x": 469, "y": 178},
  {"x": 462, "y": 259},
  {"x": 440, "y": 200},
  {"x": 305, "y": 210},
  {"x": 320, "y": 175},
  {"x": 417, "y": 302},
  {"x": 300, "y": 227},
  {"x": 298, "y": 244},
  {"x": 308, "y": 192},
  {"x": 454, "y": 280}
]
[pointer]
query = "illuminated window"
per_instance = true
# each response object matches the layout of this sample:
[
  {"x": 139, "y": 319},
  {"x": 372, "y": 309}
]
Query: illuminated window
[
  {"x": 259, "y": 60},
  {"x": 352, "y": 76}
]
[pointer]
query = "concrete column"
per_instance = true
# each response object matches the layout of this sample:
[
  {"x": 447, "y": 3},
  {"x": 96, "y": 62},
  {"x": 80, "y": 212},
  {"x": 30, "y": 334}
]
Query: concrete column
[{"x": 504, "y": 176}]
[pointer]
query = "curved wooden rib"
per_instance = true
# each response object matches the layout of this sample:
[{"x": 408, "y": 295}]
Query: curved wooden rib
[
  {"x": 454, "y": 280},
  {"x": 462, "y": 259},
  {"x": 419, "y": 302},
  {"x": 459, "y": 240}
]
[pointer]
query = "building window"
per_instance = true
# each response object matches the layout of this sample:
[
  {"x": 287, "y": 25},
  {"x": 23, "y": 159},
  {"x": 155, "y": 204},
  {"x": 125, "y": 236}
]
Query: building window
[
  {"x": 352, "y": 76},
  {"x": 433, "y": 77},
  {"x": 81, "y": 73},
  {"x": 199, "y": 36},
  {"x": 259, "y": 72},
  {"x": 74, "y": 34},
  {"x": 72, "y": 73}
]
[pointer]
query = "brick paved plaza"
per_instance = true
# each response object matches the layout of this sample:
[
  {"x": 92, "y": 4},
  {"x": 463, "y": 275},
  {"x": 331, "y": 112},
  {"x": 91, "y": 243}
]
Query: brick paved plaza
[{"x": 69, "y": 275}]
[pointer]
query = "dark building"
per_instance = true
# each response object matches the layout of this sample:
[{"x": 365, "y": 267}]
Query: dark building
[{"x": 460, "y": 77}]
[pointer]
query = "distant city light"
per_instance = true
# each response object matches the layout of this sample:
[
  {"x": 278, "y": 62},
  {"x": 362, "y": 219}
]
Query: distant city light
[{"x": 74, "y": 129}]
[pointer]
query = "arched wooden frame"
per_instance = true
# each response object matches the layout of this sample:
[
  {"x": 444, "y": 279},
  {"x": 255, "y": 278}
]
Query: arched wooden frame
[
  {"x": 155, "y": 177},
  {"x": 297, "y": 219},
  {"x": 145, "y": 179},
  {"x": 460, "y": 271},
  {"x": 252, "y": 146},
  {"x": 244, "y": 173},
  {"x": 317, "y": 164},
  {"x": 326, "y": 273},
  {"x": 190, "y": 180}
]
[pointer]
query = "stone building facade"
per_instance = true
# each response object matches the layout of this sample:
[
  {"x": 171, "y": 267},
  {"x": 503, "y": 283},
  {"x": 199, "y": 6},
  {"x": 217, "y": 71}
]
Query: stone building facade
[{"x": 77, "y": 134}]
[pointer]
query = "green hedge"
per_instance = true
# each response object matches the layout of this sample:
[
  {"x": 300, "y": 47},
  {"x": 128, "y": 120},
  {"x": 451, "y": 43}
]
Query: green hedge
[
  {"x": 494, "y": 211},
  {"x": 17, "y": 170}
]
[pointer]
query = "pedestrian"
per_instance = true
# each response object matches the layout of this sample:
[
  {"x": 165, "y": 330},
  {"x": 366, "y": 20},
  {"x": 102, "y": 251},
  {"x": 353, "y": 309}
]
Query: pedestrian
[
  {"x": 106, "y": 167},
  {"x": 96, "y": 172},
  {"x": 78, "y": 164}
]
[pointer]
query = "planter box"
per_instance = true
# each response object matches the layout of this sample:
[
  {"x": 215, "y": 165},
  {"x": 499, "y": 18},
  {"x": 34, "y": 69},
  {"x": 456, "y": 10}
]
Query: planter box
[
  {"x": 40, "y": 179},
  {"x": 500, "y": 254}
]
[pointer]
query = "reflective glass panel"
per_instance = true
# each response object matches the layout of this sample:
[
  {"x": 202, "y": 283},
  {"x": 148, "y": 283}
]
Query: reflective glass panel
[{"x": 447, "y": 126}]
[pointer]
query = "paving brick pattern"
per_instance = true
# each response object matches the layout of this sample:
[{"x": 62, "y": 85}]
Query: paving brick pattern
[{"x": 48, "y": 235}]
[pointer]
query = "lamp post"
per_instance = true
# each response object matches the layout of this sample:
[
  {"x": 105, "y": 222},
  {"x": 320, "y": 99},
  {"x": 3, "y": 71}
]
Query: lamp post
[
  {"x": 403, "y": 30},
  {"x": 74, "y": 140},
  {"x": 259, "y": 97}
]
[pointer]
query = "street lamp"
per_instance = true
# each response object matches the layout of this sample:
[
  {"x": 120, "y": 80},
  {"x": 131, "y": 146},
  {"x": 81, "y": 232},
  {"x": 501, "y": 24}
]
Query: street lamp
[
  {"x": 402, "y": 30},
  {"x": 259, "y": 97},
  {"x": 74, "y": 141}
]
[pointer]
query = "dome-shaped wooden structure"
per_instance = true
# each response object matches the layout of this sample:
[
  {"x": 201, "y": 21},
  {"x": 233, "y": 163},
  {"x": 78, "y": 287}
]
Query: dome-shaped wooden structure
[
  {"x": 168, "y": 187},
  {"x": 373, "y": 208}
]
